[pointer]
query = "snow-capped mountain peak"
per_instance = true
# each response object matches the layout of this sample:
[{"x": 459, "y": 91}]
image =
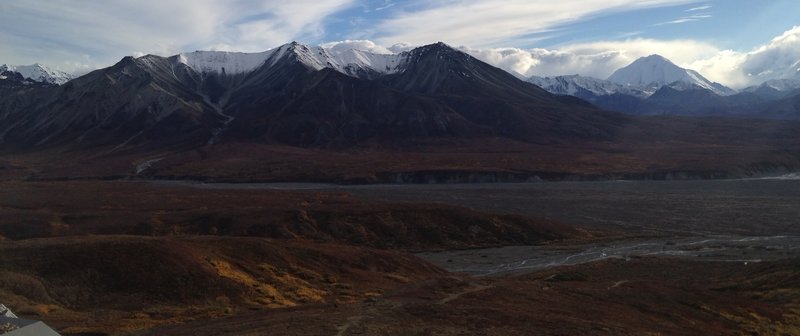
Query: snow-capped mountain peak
[
  {"x": 774, "y": 88},
  {"x": 234, "y": 63},
  {"x": 645, "y": 71},
  {"x": 782, "y": 85},
  {"x": 352, "y": 62},
  {"x": 223, "y": 62},
  {"x": 576, "y": 85},
  {"x": 313, "y": 57},
  {"x": 655, "y": 71},
  {"x": 38, "y": 73}
]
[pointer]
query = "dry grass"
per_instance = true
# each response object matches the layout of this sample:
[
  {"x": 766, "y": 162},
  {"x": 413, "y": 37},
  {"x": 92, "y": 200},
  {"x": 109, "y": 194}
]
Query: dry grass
[
  {"x": 47, "y": 209},
  {"x": 658, "y": 297},
  {"x": 124, "y": 283}
]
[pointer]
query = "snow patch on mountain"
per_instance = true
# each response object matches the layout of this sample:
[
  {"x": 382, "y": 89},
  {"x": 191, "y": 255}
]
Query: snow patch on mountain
[
  {"x": 313, "y": 57},
  {"x": 230, "y": 63},
  {"x": 576, "y": 85},
  {"x": 775, "y": 88},
  {"x": 683, "y": 86},
  {"x": 381, "y": 63},
  {"x": 38, "y": 73},
  {"x": 782, "y": 85},
  {"x": 654, "y": 71},
  {"x": 351, "y": 62}
]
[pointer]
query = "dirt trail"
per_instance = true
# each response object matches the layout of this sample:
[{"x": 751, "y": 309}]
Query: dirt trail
[
  {"x": 351, "y": 321},
  {"x": 474, "y": 288}
]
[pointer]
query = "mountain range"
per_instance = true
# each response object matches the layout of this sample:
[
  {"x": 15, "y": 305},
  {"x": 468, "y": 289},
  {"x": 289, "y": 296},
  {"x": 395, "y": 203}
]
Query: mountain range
[
  {"x": 38, "y": 73},
  {"x": 653, "y": 85},
  {"x": 297, "y": 95},
  {"x": 433, "y": 113}
]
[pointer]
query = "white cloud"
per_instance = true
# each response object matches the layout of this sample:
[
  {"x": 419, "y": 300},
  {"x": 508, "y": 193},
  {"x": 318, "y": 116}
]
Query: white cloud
[
  {"x": 685, "y": 19},
  {"x": 722, "y": 68},
  {"x": 367, "y": 45},
  {"x": 401, "y": 47},
  {"x": 699, "y": 8},
  {"x": 480, "y": 23},
  {"x": 285, "y": 21},
  {"x": 597, "y": 59},
  {"x": 52, "y": 31},
  {"x": 780, "y": 58},
  {"x": 364, "y": 45},
  {"x": 72, "y": 37},
  {"x": 509, "y": 59},
  {"x": 386, "y": 5}
]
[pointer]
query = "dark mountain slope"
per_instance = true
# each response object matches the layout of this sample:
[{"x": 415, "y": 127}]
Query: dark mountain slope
[
  {"x": 328, "y": 108},
  {"x": 155, "y": 102},
  {"x": 436, "y": 110},
  {"x": 693, "y": 102},
  {"x": 17, "y": 92},
  {"x": 135, "y": 102},
  {"x": 488, "y": 96},
  {"x": 441, "y": 93},
  {"x": 786, "y": 108}
]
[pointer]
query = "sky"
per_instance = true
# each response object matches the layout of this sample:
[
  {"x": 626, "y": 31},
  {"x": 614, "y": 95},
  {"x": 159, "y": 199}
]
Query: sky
[{"x": 734, "y": 42}]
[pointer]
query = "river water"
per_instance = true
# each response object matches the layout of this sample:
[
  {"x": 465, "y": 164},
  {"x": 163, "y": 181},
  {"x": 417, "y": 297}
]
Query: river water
[
  {"x": 753, "y": 207},
  {"x": 743, "y": 221},
  {"x": 520, "y": 259}
]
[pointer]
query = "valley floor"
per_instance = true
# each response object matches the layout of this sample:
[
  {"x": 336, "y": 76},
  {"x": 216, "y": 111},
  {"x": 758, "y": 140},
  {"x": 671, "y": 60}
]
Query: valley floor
[{"x": 561, "y": 258}]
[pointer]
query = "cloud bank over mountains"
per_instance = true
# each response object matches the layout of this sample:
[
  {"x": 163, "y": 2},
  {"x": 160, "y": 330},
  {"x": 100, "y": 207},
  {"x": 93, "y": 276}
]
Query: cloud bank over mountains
[
  {"x": 81, "y": 35},
  {"x": 780, "y": 58},
  {"x": 596, "y": 59},
  {"x": 77, "y": 38}
]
